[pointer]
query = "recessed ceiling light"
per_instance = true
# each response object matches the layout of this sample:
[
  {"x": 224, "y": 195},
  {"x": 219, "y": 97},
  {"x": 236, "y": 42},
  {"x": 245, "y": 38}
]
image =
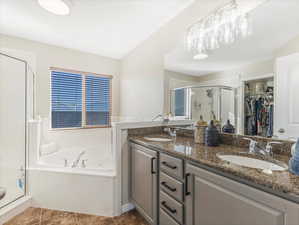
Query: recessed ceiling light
[
  {"x": 200, "y": 56},
  {"x": 58, "y": 7}
]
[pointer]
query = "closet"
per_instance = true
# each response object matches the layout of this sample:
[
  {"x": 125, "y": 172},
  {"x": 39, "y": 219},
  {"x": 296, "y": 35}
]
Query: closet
[{"x": 259, "y": 107}]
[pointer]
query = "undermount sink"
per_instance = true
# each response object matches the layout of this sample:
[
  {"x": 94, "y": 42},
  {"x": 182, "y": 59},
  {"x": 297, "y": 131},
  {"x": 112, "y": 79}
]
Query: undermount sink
[
  {"x": 158, "y": 139},
  {"x": 272, "y": 165}
]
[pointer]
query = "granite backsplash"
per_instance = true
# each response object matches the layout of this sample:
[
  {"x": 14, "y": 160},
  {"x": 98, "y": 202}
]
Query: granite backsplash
[{"x": 228, "y": 139}]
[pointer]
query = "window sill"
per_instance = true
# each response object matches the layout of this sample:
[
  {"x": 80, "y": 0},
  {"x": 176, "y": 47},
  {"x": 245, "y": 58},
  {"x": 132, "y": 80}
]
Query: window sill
[{"x": 78, "y": 128}]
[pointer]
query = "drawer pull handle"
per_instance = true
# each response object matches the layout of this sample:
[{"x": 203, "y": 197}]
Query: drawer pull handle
[
  {"x": 169, "y": 166},
  {"x": 186, "y": 183},
  {"x": 152, "y": 165},
  {"x": 168, "y": 187},
  {"x": 173, "y": 211}
]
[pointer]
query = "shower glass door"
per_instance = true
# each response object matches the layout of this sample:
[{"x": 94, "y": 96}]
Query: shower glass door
[{"x": 12, "y": 129}]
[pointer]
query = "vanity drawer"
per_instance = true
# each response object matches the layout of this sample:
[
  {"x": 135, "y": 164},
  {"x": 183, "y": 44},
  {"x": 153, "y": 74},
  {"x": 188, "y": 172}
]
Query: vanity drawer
[
  {"x": 165, "y": 219},
  {"x": 171, "y": 186},
  {"x": 172, "y": 207},
  {"x": 171, "y": 165}
]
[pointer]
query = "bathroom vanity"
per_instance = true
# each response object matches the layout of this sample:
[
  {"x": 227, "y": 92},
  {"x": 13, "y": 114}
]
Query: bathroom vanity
[{"x": 179, "y": 182}]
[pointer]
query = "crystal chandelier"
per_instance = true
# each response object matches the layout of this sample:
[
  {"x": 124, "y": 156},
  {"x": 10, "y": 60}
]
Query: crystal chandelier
[{"x": 223, "y": 26}]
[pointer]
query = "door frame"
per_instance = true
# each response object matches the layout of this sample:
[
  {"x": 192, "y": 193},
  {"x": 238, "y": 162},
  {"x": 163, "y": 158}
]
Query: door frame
[{"x": 242, "y": 94}]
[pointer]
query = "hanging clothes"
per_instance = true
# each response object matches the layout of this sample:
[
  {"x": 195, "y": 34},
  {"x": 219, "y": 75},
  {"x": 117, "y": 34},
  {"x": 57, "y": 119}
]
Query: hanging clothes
[
  {"x": 270, "y": 121},
  {"x": 259, "y": 116}
]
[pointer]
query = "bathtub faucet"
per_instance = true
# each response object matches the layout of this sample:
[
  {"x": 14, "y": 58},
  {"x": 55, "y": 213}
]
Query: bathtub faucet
[{"x": 76, "y": 162}]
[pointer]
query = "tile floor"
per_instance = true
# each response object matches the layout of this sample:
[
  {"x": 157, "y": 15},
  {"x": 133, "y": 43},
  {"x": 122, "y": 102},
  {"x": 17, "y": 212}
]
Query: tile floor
[{"x": 37, "y": 216}]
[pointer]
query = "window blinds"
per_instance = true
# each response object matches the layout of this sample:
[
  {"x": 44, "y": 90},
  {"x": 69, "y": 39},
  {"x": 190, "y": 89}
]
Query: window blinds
[
  {"x": 66, "y": 100},
  {"x": 68, "y": 92},
  {"x": 97, "y": 100}
]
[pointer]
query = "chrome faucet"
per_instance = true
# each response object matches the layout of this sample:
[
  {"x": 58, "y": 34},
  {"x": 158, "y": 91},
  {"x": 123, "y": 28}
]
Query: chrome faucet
[
  {"x": 171, "y": 131},
  {"x": 164, "y": 118},
  {"x": 255, "y": 149},
  {"x": 76, "y": 162},
  {"x": 252, "y": 145},
  {"x": 156, "y": 117}
]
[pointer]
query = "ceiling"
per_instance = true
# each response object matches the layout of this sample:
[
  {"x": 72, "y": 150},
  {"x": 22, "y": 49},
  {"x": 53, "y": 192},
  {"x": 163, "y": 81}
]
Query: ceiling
[
  {"x": 274, "y": 22},
  {"x": 109, "y": 28}
]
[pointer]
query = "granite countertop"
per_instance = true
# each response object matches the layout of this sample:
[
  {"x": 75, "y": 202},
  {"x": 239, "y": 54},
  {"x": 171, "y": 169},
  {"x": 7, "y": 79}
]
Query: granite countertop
[{"x": 281, "y": 183}]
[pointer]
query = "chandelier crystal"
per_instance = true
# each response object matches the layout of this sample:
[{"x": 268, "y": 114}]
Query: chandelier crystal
[{"x": 223, "y": 26}]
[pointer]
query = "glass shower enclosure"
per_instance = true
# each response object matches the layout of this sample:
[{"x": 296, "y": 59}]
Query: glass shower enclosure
[{"x": 13, "y": 129}]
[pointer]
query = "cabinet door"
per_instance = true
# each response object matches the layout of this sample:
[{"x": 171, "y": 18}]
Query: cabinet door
[
  {"x": 286, "y": 114},
  {"x": 215, "y": 200},
  {"x": 144, "y": 181}
]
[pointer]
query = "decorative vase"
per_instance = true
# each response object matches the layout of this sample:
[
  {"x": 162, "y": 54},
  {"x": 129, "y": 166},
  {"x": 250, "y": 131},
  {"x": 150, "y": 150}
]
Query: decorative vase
[
  {"x": 228, "y": 128},
  {"x": 199, "y": 132},
  {"x": 212, "y": 135}
]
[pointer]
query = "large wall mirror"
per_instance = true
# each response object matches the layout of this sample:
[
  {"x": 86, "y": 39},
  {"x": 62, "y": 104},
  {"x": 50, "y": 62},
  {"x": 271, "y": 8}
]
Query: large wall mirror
[
  {"x": 253, "y": 82},
  {"x": 206, "y": 102}
]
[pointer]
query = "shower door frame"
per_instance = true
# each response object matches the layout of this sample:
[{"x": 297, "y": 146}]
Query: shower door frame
[
  {"x": 189, "y": 97},
  {"x": 26, "y": 127}
]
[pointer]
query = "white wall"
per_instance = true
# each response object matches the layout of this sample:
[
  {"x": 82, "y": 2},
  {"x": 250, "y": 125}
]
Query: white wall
[
  {"x": 51, "y": 56},
  {"x": 142, "y": 70},
  {"x": 289, "y": 48}
]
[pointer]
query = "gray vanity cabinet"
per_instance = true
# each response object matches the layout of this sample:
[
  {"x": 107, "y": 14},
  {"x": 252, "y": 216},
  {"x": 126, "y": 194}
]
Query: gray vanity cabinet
[
  {"x": 215, "y": 200},
  {"x": 144, "y": 181}
]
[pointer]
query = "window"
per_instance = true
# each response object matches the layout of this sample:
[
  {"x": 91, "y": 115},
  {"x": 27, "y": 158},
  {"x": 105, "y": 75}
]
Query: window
[
  {"x": 80, "y": 99},
  {"x": 180, "y": 102}
]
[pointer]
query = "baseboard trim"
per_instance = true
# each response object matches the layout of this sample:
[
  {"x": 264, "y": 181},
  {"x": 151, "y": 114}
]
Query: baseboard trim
[
  {"x": 127, "y": 207},
  {"x": 14, "y": 209}
]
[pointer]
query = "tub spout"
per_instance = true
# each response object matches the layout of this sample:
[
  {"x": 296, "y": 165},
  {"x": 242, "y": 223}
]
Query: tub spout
[{"x": 76, "y": 162}]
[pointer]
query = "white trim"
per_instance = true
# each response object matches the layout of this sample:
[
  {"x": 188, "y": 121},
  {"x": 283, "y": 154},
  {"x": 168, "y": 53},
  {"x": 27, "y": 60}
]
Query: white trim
[
  {"x": 258, "y": 77},
  {"x": 127, "y": 207},
  {"x": 15, "y": 208}
]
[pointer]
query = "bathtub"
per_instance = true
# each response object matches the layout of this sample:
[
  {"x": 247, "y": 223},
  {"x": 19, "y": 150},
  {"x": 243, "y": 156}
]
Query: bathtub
[
  {"x": 96, "y": 162},
  {"x": 88, "y": 189}
]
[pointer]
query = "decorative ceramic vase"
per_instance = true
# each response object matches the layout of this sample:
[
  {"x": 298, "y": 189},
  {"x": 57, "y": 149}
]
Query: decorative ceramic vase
[
  {"x": 212, "y": 137},
  {"x": 199, "y": 132},
  {"x": 228, "y": 128},
  {"x": 217, "y": 123}
]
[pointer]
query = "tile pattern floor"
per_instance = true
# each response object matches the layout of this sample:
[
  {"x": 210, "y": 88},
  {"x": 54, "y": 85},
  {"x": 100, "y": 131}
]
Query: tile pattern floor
[{"x": 37, "y": 216}]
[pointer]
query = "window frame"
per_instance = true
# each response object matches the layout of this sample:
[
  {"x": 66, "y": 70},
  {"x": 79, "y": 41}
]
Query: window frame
[
  {"x": 187, "y": 102},
  {"x": 83, "y": 74}
]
